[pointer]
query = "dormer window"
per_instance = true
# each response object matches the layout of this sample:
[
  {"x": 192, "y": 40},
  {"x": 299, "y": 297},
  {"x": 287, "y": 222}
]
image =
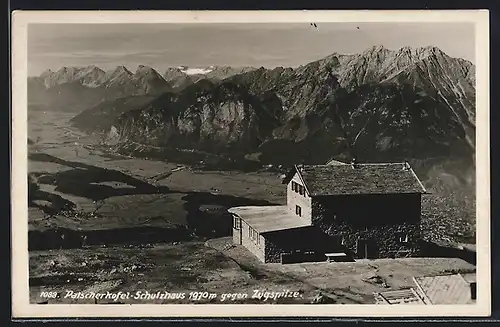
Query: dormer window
[{"x": 298, "y": 188}]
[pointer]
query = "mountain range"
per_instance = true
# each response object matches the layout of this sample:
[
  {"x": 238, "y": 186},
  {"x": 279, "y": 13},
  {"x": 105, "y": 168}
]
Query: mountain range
[
  {"x": 381, "y": 104},
  {"x": 79, "y": 88}
]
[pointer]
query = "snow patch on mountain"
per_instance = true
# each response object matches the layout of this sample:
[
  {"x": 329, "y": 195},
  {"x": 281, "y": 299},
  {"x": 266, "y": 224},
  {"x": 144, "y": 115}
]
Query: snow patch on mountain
[{"x": 195, "y": 71}]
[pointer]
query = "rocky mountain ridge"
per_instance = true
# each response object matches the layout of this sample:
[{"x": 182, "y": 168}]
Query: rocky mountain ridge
[
  {"x": 63, "y": 89},
  {"x": 380, "y": 104},
  {"x": 377, "y": 105},
  {"x": 93, "y": 76}
]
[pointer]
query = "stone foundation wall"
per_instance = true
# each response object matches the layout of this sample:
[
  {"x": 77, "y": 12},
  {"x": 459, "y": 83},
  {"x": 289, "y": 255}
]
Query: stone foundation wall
[
  {"x": 384, "y": 227},
  {"x": 386, "y": 238},
  {"x": 273, "y": 252},
  {"x": 304, "y": 239}
]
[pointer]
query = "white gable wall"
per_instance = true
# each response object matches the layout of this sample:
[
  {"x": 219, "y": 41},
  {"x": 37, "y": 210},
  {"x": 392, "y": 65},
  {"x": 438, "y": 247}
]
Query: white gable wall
[{"x": 294, "y": 198}]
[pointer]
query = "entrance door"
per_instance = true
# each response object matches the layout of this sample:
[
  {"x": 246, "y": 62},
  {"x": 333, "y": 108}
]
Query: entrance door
[{"x": 367, "y": 249}]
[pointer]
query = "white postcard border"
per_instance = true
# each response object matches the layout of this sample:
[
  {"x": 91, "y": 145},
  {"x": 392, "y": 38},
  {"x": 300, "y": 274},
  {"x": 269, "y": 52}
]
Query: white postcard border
[{"x": 21, "y": 308}]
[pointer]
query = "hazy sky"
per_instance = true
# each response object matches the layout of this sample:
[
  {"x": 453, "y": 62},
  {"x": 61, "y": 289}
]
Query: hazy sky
[{"x": 200, "y": 45}]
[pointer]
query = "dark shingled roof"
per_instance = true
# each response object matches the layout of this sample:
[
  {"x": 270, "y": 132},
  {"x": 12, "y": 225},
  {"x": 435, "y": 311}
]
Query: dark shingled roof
[{"x": 372, "y": 178}]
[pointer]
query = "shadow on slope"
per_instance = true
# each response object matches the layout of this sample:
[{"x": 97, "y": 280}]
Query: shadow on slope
[
  {"x": 84, "y": 180},
  {"x": 205, "y": 213},
  {"x": 434, "y": 250}
]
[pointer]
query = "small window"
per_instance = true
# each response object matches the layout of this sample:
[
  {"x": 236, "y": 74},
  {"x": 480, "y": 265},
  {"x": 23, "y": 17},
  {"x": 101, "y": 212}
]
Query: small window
[
  {"x": 294, "y": 186},
  {"x": 253, "y": 235},
  {"x": 236, "y": 223},
  {"x": 403, "y": 238},
  {"x": 301, "y": 190},
  {"x": 298, "y": 211}
]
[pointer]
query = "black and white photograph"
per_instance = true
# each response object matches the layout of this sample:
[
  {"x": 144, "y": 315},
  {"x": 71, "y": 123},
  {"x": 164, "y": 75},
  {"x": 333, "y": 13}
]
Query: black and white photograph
[{"x": 302, "y": 162}]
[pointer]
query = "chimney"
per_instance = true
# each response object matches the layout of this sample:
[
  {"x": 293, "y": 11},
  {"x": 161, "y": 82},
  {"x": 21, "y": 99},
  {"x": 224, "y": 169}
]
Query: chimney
[
  {"x": 354, "y": 164},
  {"x": 473, "y": 290},
  {"x": 406, "y": 165}
]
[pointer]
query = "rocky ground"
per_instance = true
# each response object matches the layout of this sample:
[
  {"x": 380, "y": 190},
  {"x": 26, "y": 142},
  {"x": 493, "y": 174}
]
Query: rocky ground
[{"x": 220, "y": 268}]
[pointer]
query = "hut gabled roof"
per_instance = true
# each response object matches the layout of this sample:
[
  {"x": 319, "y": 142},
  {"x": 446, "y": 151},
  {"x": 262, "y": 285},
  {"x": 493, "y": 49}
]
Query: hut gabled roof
[{"x": 365, "y": 178}]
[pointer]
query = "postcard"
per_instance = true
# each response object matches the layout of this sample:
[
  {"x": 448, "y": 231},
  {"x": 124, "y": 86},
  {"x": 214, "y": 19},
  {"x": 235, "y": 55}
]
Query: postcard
[{"x": 250, "y": 164}]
